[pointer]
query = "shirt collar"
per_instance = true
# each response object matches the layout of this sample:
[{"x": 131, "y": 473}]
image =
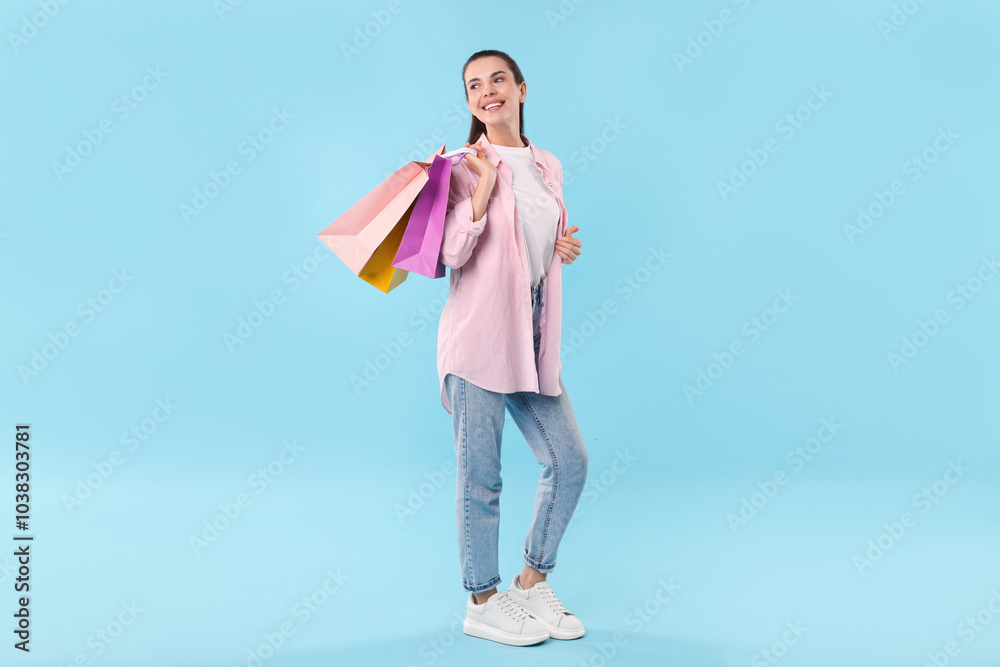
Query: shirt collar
[{"x": 494, "y": 158}]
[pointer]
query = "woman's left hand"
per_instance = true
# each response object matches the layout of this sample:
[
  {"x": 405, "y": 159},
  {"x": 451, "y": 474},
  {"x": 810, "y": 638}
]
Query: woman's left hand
[{"x": 569, "y": 247}]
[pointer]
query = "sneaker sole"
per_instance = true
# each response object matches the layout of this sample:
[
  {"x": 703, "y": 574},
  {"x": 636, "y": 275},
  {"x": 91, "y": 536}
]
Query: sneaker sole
[
  {"x": 556, "y": 633},
  {"x": 475, "y": 629}
]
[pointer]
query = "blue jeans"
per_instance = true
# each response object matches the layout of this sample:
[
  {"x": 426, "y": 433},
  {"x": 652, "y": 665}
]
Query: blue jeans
[{"x": 550, "y": 428}]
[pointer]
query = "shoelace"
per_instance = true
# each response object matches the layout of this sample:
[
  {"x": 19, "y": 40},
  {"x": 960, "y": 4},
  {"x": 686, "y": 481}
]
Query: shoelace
[
  {"x": 514, "y": 610},
  {"x": 550, "y": 598}
]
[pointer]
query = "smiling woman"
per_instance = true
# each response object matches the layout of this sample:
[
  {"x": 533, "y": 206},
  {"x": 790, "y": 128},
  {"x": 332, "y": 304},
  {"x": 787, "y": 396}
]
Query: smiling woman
[
  {"x": 506, "y": 83},
  {"x": 505, "y": 241}
]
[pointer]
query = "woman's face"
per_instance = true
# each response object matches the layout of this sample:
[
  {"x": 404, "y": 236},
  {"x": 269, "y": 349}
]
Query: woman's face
[{"x": 489, "y": 81}]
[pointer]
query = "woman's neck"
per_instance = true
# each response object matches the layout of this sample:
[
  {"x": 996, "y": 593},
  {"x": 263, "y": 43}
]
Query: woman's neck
[{"x": 504, "y": 136}]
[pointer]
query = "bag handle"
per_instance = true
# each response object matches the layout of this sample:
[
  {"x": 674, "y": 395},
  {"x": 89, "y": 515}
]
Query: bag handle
[{"x": 458, "y": 152}]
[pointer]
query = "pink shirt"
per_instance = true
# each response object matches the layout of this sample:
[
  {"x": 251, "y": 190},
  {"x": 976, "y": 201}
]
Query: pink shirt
[{"x": 485, "y": 334}]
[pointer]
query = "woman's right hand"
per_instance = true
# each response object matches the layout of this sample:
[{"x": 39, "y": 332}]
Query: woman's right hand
[{"x": 479, "y": 164}]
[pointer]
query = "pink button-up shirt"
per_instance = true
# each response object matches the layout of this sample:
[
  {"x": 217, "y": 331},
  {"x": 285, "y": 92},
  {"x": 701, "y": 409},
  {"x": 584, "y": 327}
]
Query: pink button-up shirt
[{"x": 485, "y": 334}]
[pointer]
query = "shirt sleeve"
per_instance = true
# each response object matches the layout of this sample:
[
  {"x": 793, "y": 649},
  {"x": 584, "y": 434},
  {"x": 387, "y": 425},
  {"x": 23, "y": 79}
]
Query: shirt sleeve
[{"x": 461, "y": 233}]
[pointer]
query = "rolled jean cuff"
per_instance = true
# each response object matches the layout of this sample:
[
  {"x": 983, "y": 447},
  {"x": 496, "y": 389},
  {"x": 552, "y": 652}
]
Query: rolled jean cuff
[
  {"x": 482, "y": 587},
  {"x": 541, "y": 567}
]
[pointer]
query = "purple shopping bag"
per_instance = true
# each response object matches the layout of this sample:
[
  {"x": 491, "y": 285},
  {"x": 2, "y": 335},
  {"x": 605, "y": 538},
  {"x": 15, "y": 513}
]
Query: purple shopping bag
[{"x": 420, "y": 249}]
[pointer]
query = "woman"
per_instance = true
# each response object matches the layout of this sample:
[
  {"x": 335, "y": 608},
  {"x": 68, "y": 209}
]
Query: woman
[{"x": 505, "y": 240}]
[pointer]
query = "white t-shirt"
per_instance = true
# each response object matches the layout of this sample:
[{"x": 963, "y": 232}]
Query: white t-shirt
[{"x": 536, "y": 206}]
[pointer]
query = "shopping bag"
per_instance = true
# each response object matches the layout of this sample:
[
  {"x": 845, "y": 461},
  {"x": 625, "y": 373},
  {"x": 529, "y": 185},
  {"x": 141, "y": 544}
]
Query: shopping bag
[
  {"x": 367, "y": 237},
  {"x": 379, "y": 271},
  {"x": 420, "y": 248},
  {"x": 355, "y": 235}
]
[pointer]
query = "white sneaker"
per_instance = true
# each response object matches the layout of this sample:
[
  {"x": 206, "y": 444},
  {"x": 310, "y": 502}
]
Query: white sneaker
[
  {"x": 541, "y": 601},
  {"x": 502, "y": 620}
]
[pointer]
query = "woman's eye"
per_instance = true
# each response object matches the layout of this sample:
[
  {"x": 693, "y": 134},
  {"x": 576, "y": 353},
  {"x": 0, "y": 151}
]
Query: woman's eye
[{"x": 473, "y": 86}]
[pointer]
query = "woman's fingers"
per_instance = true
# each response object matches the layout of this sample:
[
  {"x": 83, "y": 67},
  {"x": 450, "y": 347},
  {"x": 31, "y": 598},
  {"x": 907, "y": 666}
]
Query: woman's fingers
[
  {"x": 569, "y": 251},
  {"x": 480, "y": 153}
]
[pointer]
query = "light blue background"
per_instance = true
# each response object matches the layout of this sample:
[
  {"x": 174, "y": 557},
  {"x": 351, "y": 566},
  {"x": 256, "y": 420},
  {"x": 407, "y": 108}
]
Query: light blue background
[{"x": 654, "y": 184}]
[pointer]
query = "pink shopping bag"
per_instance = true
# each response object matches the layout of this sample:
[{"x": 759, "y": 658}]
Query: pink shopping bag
[
  {"x": 356, "y": 234},
  {"x": 420, "y": 249}
]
